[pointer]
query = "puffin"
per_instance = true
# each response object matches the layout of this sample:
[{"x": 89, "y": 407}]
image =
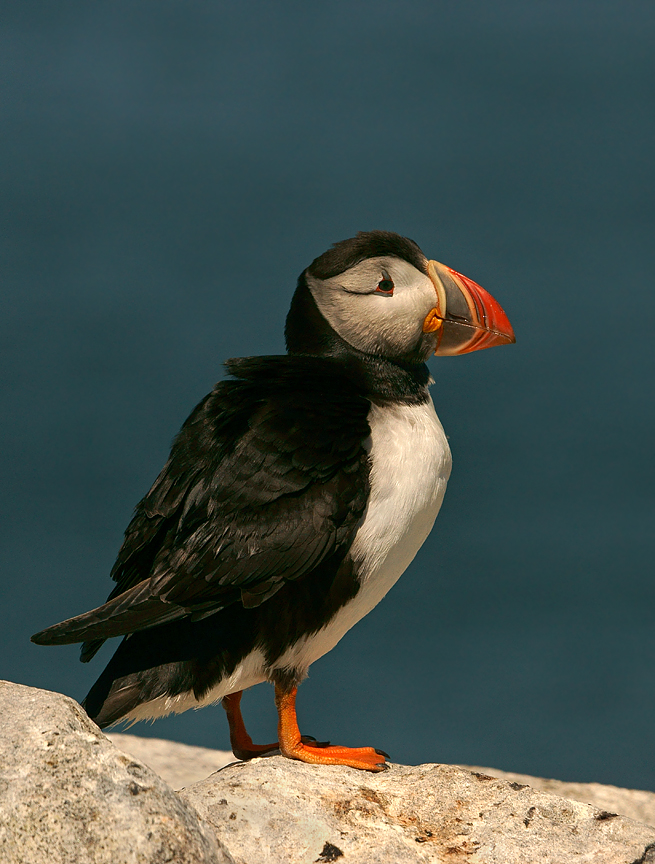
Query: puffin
[{"x": 296, "y": 494}]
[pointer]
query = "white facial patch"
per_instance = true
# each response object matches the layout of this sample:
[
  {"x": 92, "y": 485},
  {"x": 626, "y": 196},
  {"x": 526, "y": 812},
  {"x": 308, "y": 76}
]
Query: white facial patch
[{"x": 376, "y": 323}]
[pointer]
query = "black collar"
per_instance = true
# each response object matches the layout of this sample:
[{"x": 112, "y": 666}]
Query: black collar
[{"x": 381, "y": 379}]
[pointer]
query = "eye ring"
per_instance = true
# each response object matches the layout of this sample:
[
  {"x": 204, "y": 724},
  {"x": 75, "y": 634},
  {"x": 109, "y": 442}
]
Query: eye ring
[{"x": 385, "y": 285}]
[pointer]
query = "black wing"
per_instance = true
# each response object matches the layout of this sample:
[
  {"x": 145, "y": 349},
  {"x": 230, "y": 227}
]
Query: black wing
[{"x": 267, "y": 477}]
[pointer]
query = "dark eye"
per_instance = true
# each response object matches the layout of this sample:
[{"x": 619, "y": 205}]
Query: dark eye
[{"x": 385, "y": 285}]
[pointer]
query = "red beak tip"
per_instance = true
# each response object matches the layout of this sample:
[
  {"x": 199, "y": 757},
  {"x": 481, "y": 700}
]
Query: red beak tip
[{"x": 493, "y": 313}]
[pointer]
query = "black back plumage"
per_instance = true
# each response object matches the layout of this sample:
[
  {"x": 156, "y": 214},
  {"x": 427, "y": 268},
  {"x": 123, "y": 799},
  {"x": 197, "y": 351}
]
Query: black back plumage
[{"x": 268, "y": 476}]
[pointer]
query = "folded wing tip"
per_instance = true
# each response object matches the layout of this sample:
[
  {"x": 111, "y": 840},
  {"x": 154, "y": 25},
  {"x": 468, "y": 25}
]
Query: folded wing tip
[{"x": 45, "y": 637}]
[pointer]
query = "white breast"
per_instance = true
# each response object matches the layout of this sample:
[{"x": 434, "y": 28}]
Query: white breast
[{"x": 410, "y": 466}]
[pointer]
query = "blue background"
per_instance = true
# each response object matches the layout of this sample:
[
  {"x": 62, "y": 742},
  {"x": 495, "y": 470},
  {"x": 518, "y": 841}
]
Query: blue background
[{"x": 170, "y": 167}]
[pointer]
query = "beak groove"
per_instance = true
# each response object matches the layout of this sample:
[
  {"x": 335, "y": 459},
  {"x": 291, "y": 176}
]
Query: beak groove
[{"x": 472, "y": 318}]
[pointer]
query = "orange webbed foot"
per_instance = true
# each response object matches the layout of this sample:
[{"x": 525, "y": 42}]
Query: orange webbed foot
[
  {"x": 364, "y": 758},
  {"x": 294, "y": 746},
  {"x": 241, "y": 743},
  {"x": 248, "y": 752}
]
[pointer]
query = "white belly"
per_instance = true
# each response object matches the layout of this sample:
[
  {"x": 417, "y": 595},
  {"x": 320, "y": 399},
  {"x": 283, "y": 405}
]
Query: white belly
[{"x": 410, "y": 466}]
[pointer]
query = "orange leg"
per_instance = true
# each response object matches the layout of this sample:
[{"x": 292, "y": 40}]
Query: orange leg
[
  {"x": 292, "y": 745},
  {"x": 240, "y": 741}
]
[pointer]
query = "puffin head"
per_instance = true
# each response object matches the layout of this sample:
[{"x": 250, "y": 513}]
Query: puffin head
[{"x": 379, "y": 294}]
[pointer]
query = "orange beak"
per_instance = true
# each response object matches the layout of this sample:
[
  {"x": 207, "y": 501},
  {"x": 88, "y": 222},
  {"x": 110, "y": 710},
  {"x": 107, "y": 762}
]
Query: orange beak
[{"x": 466, "y": 317}]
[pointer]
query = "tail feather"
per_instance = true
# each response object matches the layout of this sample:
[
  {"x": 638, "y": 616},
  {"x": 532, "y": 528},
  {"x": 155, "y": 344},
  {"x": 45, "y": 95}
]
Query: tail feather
[
  {"x": 109, "y": 700},
  {"x": 89, "y": 649},
  {"x": 145, "y": 667}
]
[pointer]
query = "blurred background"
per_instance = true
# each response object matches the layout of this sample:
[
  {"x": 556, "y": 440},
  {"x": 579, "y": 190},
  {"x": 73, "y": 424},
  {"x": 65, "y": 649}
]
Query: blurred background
[{"x": 170, "y": 167}]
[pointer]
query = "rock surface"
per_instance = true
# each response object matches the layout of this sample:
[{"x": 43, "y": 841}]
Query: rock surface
[
  {"x": 179, "y": 764},
  {"x": 182, "y": 765},
  {"x": 68, "y": 796},
  {"x": 276, "y": 811},
  {"x": 636, "y": 804}
]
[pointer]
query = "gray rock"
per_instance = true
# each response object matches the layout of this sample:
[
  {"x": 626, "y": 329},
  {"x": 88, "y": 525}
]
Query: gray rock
[
  {"x": 276, "y": 811},
  {"x": 182, "y": 765},
  {"x": 636, "y": 804},
  {"x": 68, "y": 796},
  {"x": 178, "y": 764}
]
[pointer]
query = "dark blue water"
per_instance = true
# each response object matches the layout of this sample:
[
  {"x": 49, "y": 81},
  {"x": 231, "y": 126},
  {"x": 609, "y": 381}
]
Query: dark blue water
[{"x": 168, "y": 170}]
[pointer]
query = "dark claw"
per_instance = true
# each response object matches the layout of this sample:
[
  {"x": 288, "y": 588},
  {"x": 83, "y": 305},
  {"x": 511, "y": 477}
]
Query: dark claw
[
  {"x": 247, "y": 755},
  {"x": 309, "y": 739},
  {"x": 382, "y": 753},
  {"x": 383, "y": 766}
]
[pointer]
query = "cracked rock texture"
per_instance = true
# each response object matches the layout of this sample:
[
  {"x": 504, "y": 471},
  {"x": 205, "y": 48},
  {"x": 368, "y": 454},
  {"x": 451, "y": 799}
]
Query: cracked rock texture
[
  {"x": 636, "y": 804},
  {"x": 179, "y": 764},
  {"x": 182, "y": 765},
  {"x": 275, "y": 811},
  {"x": 68, "y": 796}
]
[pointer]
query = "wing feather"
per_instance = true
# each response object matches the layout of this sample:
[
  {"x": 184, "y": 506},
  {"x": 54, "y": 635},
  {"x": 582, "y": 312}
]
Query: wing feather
[{"x": 267, "y": 477}]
